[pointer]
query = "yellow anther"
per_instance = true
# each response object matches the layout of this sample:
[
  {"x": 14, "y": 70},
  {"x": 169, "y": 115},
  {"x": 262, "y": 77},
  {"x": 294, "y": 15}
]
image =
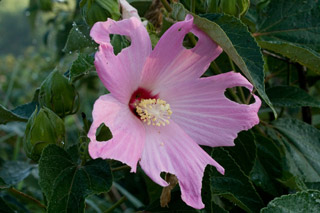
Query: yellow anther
[{"x": 154, "y": 111}]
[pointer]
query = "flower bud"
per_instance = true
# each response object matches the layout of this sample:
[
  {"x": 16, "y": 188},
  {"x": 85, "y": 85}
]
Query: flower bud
[
  {"x": 58, "y": 94},
  {"x": 232, "y": 7},
  {"x": 44, "y": 127}
]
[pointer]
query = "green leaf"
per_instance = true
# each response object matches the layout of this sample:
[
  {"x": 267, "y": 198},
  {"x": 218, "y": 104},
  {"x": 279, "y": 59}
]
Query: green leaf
[
  {"x": 313, "y": 185},
  {"x": 234, "y": 183},
  {"x": 81, "y": 66},
  {"x": 210, "y": 200},
  {"x": 3, "y": 184},
  {"x": 12, "y": 172},
  {"x": 292, "y": 21},
  {"x": 268, "y": 166},
  {"x": 302, "y": 145},
  {"x": 142, "y": 6},
  {"x": 7, "y": 116},
  {"x": 119, "y": 42},
  {"x": 20, "y": 112},
  {"x": 297, "y": 53},
  {"x": 112, "y": 6},
  {"x": 234, "y": 38},
  {"x": 25, "y": 110},
  {"x": 288, "y": 96},
  {"x": 306, "y": 201},
  {"x": 66, "y": 183},
  {"x": 78, "y": 39},
  {"x": 244, "y": 152},
  {"x": 292, "y": 182}
]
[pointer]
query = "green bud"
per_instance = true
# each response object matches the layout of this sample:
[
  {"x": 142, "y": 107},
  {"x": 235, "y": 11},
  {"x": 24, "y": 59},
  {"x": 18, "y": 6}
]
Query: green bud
[
  {"x": 58, "y": 94},
  {"x": 44, "y": 127},
  {"x": 232, "y": 7}
]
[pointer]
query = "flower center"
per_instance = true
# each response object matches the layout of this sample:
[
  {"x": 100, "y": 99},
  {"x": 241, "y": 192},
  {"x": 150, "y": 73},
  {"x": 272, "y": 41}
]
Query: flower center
[{"x": 154, "y": 111}]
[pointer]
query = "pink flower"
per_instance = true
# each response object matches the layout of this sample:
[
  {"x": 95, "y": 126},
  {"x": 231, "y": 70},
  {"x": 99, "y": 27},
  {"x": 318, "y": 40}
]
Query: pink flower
[{"x": 159, "y": 110}]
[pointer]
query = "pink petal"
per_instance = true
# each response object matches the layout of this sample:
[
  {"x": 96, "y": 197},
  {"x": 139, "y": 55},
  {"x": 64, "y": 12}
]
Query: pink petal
[
  {"x": 170, "y": 62},
  {"x": 121, "y": 73},
  {"x": 201, "y": 109},
  {"x": 170, "y": 149},
  {"x": 127, "y": 130}
]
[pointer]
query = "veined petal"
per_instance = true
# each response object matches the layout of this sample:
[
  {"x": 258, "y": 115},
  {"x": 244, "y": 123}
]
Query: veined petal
[
  {"x": 170, "y": 149},
  {"x": 170, "y": 62},
  {"x": 121, "y": 73},
  {"x": 127, "y": 130},
  {"x": 201, "y": 109}
]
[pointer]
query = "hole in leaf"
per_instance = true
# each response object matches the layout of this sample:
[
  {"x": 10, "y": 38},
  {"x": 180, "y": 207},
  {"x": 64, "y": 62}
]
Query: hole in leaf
[
  {"x": 190, "y": 41},
  {"x": 239, "y": 95},
  {"x": 119, "y": 42},
  {"x": 103, "y": 133}
]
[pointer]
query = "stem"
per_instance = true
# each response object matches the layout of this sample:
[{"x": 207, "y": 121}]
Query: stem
[
  {"x": 242, "y": 96},
  {"x": 86, "y": 125},
  {"x": 118, "y": 203},
  {"x": 243, "y": 99},
  {"x": 192, "y": 39},
  {"x": 10, "y": 86},
  {"x": 234, "y": 96},
  {"x": 17, "y": 148},
  {"x": 215, "y": 68},
  {"x": 193, "y": 6},
  {"x": 166, "y": 5},
  {"x": 28, "y": 197},
  {"x": 275, "y": 56},
  {"x": 250, "y": 96},
  {"x": 232, "y": 64}
]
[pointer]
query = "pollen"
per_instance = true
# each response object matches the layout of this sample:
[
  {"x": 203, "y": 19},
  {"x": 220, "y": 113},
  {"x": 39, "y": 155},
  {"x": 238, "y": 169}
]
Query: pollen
[{"x": 154, "y": 112}]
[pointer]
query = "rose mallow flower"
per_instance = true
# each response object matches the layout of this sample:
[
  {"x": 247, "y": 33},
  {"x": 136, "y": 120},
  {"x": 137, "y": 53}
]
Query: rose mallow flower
[{"x": 159, "y": 110}]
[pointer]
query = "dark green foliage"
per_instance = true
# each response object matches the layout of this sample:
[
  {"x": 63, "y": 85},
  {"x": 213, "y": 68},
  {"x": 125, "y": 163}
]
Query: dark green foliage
[
  {"x": 297, "y": 53},
  {"x": 292, "y": 29},
  {"x": 81, "y": 66},
  {"x": 234, "y": 183},
  {"x": 293, "y": 21},
  {"x": 287, "y": 96},
  {"x": 306, "y": 201},
  {"x": 244, "y": 151},
  {"x": 66, "y": 183},
  {"x": 103, "y": 133},
  {"x": 12, "y": 172},
  {"x": 302, "y": 147},
  {"x": 4, "y": 207},
  {"x": 78, "y": 39},
  {"x": 269, "y": 165}
]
